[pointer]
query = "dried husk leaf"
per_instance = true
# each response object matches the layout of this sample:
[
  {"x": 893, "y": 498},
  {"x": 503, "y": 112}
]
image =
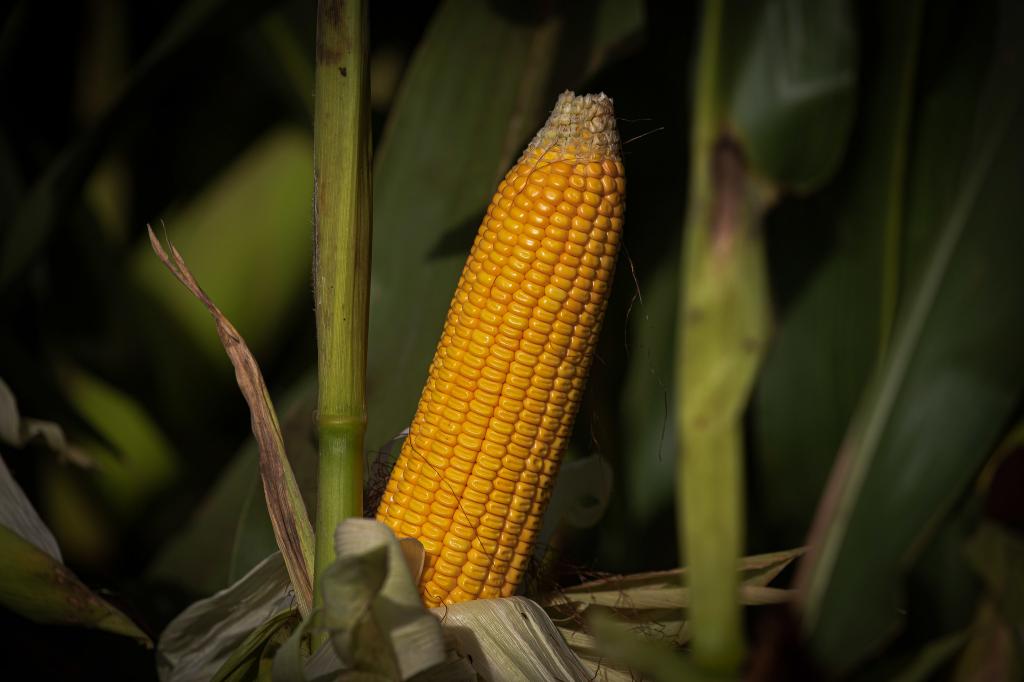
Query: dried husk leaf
[{"x": 288, "y": 514}]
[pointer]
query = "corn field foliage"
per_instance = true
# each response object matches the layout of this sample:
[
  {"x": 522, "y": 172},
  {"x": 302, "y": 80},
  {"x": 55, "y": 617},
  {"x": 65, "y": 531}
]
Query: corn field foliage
[{"x": 873, "y": 404}]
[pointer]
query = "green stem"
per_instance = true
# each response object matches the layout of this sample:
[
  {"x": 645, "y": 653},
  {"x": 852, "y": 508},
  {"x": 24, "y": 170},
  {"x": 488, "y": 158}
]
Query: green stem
[
  {"x": 341, "y": 217},
  {"x": 722, "y": 325}
]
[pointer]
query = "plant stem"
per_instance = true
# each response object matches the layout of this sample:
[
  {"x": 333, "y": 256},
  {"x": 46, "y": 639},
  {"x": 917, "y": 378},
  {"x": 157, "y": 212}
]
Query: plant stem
[
  {"x": 341, "y": 220},
  {"x": 722, "y": 325}
]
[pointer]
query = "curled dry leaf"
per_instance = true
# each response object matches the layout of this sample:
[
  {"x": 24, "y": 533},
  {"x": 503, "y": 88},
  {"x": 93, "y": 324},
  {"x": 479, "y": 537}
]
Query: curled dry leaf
[
  {"x": 206, "y": 635},
  {"x": 652, "y": 605},
  {"x": 288, "y": 515},
  {"x": 18, "y": 430},
  {"x": 510, "y": 639}
]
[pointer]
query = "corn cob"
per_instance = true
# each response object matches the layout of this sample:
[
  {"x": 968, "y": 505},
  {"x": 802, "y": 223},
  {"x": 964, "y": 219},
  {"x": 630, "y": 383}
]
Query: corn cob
[{"x": 476, "y": 470}]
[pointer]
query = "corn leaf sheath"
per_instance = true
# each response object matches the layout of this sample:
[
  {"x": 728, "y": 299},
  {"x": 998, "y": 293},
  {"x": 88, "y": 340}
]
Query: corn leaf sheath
[{"x": 477, "y": 468}]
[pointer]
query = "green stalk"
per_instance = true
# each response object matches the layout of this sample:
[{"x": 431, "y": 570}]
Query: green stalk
[
  {"x": 722, "y": 325},
  {"x": 341, "y": 221}
]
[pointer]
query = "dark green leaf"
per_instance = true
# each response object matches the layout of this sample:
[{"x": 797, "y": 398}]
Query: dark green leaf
[
  {"x": 42, "y": 207},
  {"x": 39, "y": 587},
  {"x": 246, "y": 237},
  {"x": 246, "y": 661},
  {"x": 932, "y": 657},
  {"x": 790, "y": 86},
  {"x": 831, "y": 330},
  {"x": 953, "y": 375},
  {"x": 19, "y": 516},
  {"x": 142, "y": 463}
]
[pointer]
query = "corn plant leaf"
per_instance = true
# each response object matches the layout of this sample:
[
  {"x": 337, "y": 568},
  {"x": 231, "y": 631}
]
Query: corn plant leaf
[
  {"x": 479, "y": 81},
  {"x": 19, "y": 516},
  {"x": 34, "y": 581},
  {"x": 647, "y": 399},
  {"x": 204, "y": 637},
  {"x": 43, "y": 204},
  {"x": 140, "y": 462},
  {"x": 287, "y": 510},
  {"x": 289, "y": 664},
  {"x": 791, "y": 75},
  {"x": 261, "y": 644},
  {"x": 198, "y": 557},
  {"x": 952, "y": 377},
  {"x": 42, "y": 589},
  {"x": 930, "y": 659},
  {"x": 257, "y": 210},
  {"x": 834, "y": 257}
]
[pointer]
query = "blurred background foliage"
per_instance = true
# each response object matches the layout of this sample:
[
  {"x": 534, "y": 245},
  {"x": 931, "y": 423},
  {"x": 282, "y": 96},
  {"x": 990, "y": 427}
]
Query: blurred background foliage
[{"x": 894, "y": 248}]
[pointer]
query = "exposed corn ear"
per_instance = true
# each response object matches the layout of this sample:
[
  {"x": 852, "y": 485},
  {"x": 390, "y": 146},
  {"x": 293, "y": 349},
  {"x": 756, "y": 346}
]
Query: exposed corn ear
[{"x": 477, "y": 468}]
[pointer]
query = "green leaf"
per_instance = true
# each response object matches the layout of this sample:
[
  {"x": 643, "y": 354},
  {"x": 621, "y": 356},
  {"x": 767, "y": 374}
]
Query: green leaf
[
  {"x": 647, "y": 398},
  {"x": 790, "y": 74},
  {"x": 42, "y": 589},
  {"x": 248, "y": 659},
  {"x": 832, "y": 325},
  {"x": 931, "y": 658},
  {"x": 289, "y": 663},
  {"x": 19, "y": 516},
  {"x": 952, "y": 377},
  {"x": 49, "y": 196},
  {"x": 33, "y": 579},
  {"x": 247, "y": 239},
  {"x": 142, "y": 463}
]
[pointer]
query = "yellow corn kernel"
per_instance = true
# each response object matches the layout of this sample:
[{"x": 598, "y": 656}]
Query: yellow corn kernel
[{"x": 476, "y": 470}]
